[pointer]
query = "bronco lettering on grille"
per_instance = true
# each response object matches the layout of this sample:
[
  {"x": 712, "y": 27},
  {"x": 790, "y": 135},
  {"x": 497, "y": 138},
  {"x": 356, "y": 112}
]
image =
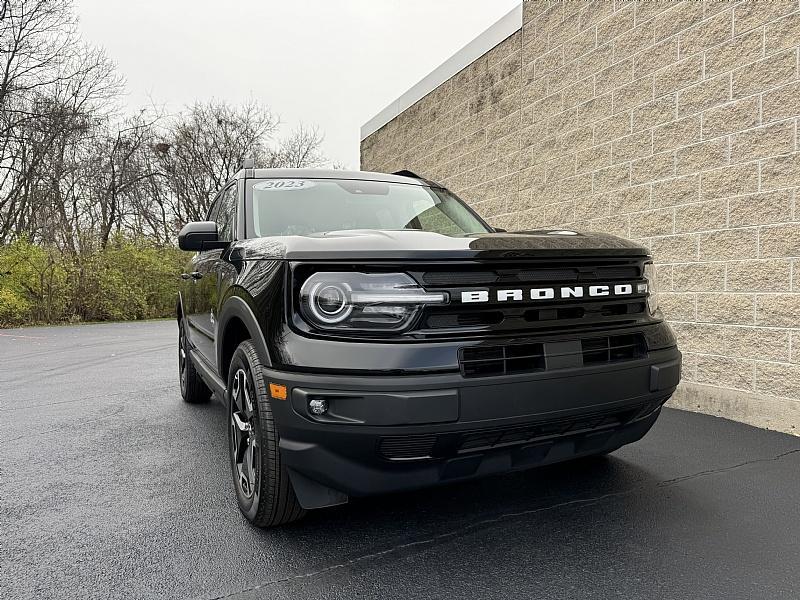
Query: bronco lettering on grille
[{"x": 549, "y": 293}]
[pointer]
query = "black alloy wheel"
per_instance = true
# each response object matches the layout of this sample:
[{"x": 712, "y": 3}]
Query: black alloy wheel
[
  {"x": 244, "y": 446},
  {"x": 263, "y": 489}
]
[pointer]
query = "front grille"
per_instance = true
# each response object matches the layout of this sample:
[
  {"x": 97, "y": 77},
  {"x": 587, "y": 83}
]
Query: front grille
[
  {"x": 444, "y": 445},
  {"x": 513, "y": 318},
  {"x": 465, "y": 319},
  {"x": 488, "y": 361},
  {"x": 518, "y": 316}
]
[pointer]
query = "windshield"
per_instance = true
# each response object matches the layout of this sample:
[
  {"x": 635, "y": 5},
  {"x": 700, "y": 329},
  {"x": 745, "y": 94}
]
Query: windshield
[{"x": 309, "y": 206}]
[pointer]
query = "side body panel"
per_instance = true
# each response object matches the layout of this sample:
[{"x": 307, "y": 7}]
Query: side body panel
[
  {"x": 251, "y": 292},
  {"x": 202, "y": 312}
]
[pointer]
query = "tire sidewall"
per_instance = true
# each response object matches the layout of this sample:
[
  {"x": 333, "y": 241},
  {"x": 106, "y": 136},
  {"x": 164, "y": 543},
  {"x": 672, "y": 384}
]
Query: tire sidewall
[
  {"x": 183, "y": 378},
  {"x": 248, "y": 505}
]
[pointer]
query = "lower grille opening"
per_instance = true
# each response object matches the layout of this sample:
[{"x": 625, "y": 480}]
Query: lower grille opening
[
  {"x": 412, "y": 447},
  {"x": 487, "y": 361},
  {"x": 502, "y": 360},
  {"x": 486, "y": 440},
  {"x": 612, "y": 349},
  {"x": 443, "y": 445},
  {"x": 629, "y": 308}
]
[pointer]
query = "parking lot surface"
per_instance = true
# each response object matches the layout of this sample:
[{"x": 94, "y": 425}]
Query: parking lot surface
[{"x": 111, "y": 487}]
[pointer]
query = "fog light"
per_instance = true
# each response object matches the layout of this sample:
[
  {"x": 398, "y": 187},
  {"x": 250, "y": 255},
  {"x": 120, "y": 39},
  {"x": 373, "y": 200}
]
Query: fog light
[{"x": 318, "y": 406}]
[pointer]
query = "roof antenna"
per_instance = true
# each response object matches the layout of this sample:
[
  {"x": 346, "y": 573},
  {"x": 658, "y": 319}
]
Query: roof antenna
[{"x": 249, "y": 163}]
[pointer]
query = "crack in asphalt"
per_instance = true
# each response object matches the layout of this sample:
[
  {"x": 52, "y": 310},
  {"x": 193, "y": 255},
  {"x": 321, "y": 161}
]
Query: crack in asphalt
[{"x": 484, "y": 523}]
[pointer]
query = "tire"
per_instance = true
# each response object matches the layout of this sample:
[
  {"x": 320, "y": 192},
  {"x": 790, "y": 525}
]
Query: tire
[
  {"x": 193, "y": 388},
  {"x": 263, "y": 489}
]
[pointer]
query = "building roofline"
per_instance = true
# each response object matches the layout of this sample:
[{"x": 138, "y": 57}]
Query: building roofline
[{"x": 506, "y": 26}]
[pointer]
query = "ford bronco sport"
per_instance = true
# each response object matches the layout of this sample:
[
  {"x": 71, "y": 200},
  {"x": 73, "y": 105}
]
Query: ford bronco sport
[{"x": 369, "y": 333}]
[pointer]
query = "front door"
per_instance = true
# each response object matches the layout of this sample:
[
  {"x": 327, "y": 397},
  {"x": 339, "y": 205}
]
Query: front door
[
  {"x": 206, "y": 278},
  {"x": 203, "y": 285}
]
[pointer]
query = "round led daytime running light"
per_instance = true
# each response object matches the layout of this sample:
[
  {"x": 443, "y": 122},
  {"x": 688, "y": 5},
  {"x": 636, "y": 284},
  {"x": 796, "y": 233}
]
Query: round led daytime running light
[{"x": 329, "y": 303}]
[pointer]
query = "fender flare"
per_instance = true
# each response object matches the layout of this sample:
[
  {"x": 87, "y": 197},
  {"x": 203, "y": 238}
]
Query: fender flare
[{"x": 235, "y": 306}]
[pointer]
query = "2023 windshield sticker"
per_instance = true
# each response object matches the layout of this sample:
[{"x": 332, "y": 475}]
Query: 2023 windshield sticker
[{"x": 284, "y": 185}]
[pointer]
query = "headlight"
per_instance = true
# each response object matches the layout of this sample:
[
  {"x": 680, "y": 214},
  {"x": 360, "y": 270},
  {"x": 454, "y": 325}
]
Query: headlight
[
  {"x": 363, "y": 301},
  {"x": 652, "y": 287}
]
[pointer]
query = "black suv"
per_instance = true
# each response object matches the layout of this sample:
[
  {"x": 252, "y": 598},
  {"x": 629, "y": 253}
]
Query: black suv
[{"x": 370, "y": 333}]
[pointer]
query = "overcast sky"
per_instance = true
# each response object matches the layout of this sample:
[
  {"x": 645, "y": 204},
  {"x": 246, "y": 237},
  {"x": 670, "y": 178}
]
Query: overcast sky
[{"x": 333, "y": 63}]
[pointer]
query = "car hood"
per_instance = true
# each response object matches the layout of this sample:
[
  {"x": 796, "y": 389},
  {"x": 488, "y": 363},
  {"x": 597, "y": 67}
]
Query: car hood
[{"x": 424, "y": 245}]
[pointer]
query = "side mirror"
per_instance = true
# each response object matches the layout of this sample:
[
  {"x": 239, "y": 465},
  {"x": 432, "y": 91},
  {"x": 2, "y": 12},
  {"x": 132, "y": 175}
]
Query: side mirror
[{"x": 200, "y": 235}]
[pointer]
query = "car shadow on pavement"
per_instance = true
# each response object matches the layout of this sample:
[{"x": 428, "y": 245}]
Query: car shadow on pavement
[
  {"x": 546, "y": 523},
  {"x": 437, "y": 515},
  {"x": 542, "y": 515},
  {"x": 475, "y": 503}
]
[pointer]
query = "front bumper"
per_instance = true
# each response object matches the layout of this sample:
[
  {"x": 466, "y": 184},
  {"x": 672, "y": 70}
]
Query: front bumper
[{"x": 390, "y": 433}]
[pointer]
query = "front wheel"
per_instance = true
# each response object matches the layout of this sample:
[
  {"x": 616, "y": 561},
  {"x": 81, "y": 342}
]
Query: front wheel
[{"x": 263, "y": 489}]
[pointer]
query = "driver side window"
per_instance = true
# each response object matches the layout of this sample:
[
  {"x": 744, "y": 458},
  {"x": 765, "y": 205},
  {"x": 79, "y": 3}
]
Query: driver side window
[{"x": 225, "y": 214}]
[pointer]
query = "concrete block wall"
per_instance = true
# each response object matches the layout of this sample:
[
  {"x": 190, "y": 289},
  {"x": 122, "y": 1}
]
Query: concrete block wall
[{"x": 675, "y": 123}]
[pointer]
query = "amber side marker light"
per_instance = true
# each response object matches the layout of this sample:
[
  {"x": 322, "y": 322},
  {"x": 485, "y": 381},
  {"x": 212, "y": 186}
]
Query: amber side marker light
[{"x": 277, "y": 391}]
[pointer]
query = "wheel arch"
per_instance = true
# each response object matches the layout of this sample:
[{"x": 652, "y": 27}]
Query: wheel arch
[{"x": 237, "y": 323}]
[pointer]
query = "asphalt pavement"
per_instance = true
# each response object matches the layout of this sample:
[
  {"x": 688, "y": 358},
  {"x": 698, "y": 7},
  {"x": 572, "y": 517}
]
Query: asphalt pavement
[{"x": 111, "y": 487}]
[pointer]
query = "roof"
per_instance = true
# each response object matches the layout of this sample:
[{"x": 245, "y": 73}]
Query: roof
[
  {"x": 325, "y": 174},
  {"x": 508, "y": 25}
]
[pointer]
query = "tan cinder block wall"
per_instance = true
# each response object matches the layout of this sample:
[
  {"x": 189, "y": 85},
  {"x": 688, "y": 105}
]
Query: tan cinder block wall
[{"x": 672, "y": 123}]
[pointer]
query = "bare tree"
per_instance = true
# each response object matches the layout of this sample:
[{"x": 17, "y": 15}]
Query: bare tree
[
  {"x": 80, "y": 181},
  {"x": 117, "y": 167},
  {"x": 73, "y": 173},
  {"x": 36, "y": 36},
  {"x": 203, "y": 147},
  {"x": 53, "y": 89},
  {"x": 48, "y": 150},
  {"x": 151, "y": 208},
  {"x": 301, "y": 149}
]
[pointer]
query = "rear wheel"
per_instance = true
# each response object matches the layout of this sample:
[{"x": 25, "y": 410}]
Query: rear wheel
[
  {"x": 193, "y": 388},
  {"x": 263, "y": 489}
]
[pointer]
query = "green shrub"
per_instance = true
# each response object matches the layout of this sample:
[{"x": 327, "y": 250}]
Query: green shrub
[
  {"x": 129, "y": 279},
  {"x": 14, "y": 307},
  {"x": 33, "y": 283}
]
